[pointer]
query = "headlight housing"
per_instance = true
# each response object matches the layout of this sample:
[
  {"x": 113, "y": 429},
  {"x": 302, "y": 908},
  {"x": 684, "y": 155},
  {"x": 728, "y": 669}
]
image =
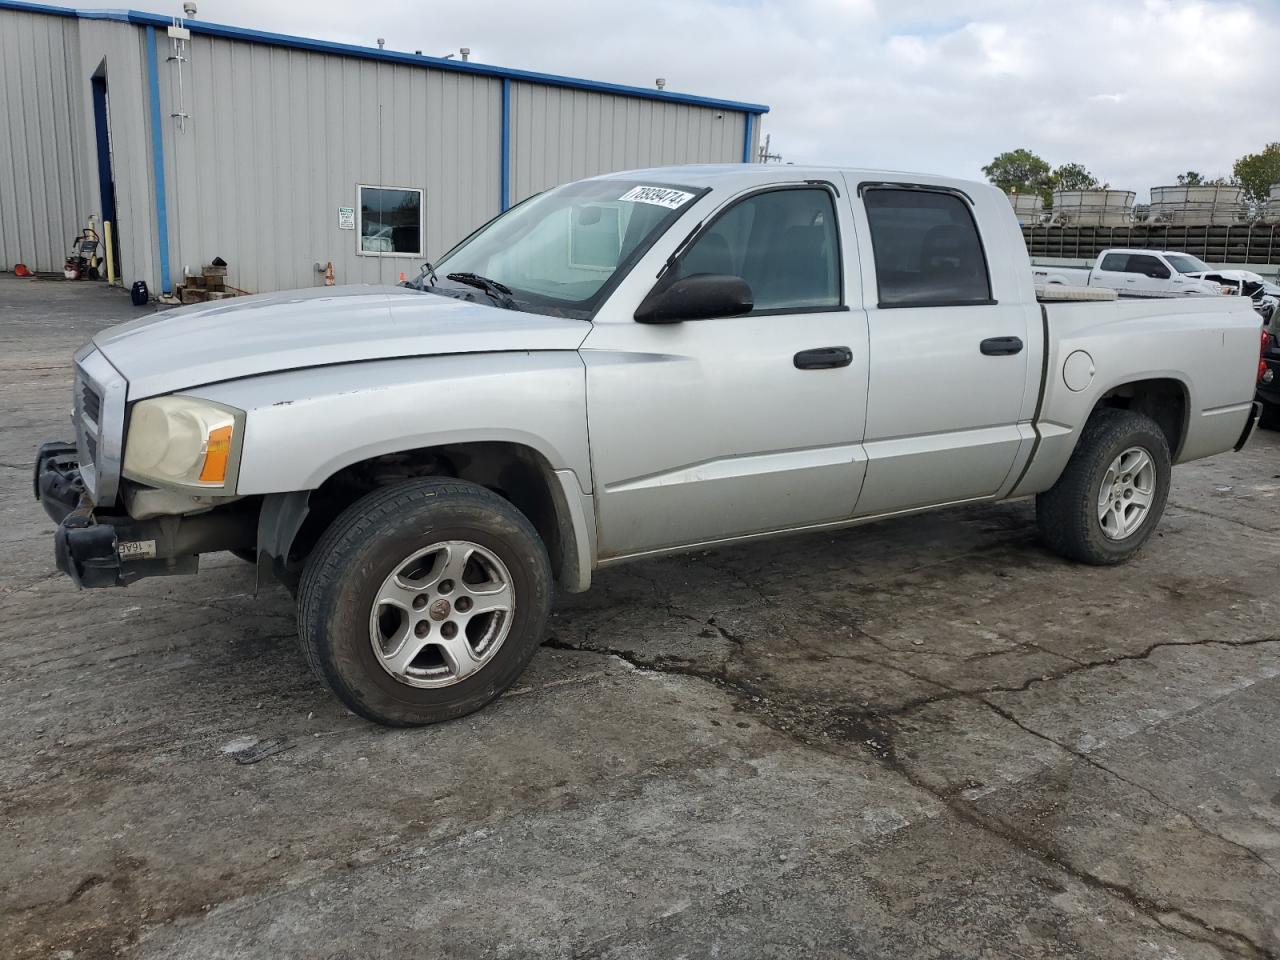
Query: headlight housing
[{"x": 184, "y": 442}]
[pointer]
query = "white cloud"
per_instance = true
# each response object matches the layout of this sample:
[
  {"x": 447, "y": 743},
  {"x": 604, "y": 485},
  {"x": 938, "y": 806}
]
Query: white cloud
[{"x": 1136, "y": 90}]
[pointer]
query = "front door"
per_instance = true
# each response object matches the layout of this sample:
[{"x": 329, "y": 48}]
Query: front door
[
  {"x": 1151, "y": 276},
  {"x": 949, "y": 374},
  {"x": 709, "y": 429}
]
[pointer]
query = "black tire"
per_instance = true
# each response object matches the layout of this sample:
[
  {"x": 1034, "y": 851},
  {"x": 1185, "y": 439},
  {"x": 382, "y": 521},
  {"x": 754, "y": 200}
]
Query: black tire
[
  {"x": 1067, "y": 513},
  {"x": 361, "y": 549}
]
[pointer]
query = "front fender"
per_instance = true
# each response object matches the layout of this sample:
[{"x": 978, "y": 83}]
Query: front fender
[{"x": 302, "y": 426}]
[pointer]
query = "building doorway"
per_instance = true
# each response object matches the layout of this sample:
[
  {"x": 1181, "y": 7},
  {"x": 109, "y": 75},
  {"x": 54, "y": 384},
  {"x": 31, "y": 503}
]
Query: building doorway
[{"x": 106, "y": 166}]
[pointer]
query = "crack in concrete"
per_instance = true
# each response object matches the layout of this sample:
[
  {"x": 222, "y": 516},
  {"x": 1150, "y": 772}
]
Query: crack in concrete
[
  {"x": 1099, "y": 765},
  {"x": 1265, "y": 534},
  {"x": 9, "y": 591},
  {"x": 1018, "y": 647},
  {"x": 1082, "y": 666},
  {"x": 867, "y": 727},
  {"x": 179, "y": 632}
]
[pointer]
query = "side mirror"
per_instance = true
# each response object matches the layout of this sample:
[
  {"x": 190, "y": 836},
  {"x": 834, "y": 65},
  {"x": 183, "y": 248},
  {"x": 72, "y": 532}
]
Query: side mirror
[{"x": 703, "y": 296}]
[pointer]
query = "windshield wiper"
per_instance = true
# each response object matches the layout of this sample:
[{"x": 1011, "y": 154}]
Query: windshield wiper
[
  {"x": 426, "y": 278},
  {"x": 500, "y": 292}
]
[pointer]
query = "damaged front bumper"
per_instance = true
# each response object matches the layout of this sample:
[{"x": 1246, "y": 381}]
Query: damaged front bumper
[{"x": 99, "y": 549}]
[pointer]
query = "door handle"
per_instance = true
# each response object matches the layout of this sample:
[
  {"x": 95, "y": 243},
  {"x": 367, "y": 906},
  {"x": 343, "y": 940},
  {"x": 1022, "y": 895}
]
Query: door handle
[
  {"x": 823, "y": 358},
  {"x": 1001, "y": 346}
]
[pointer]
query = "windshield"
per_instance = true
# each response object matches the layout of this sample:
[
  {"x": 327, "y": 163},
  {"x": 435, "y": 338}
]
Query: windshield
[
  {"x": 1185, "y": 263},
  {"x": 563, "y": 251}
]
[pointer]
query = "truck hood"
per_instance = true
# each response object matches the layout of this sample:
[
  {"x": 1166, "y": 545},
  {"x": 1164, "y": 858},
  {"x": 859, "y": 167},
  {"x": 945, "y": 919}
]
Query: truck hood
[{"x": 245, "y": 336}]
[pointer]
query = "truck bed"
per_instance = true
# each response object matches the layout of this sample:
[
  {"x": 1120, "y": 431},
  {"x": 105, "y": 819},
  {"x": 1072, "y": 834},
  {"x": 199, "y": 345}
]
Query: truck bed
[{"x": 1125, "y": 341}]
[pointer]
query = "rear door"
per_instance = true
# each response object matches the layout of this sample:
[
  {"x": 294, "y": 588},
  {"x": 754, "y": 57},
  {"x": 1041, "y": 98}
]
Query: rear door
[{"x": 951, "y": 388}]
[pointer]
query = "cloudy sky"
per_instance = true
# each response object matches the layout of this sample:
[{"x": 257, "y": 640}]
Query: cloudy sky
[{"x": 1136, "y": 90}]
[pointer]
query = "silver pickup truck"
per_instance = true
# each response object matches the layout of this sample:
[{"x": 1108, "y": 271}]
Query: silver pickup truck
[{"x": 619, "y": 368}]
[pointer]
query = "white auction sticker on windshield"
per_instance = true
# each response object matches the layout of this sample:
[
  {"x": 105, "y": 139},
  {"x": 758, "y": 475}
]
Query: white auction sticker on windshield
[{"x": 658, "y": 196}]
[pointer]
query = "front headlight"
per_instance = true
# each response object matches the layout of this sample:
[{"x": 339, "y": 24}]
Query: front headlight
[{"x": 180, "y": 441}]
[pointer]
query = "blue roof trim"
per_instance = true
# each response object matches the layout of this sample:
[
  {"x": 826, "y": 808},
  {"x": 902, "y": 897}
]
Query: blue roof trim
[
  {"x": 386, "y": 56},
  {"x": 38, "y": 8}
]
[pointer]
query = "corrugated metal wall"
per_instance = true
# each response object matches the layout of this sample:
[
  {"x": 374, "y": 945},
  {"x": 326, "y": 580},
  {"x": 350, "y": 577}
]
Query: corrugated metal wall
[
  {"x": 117, "y": 51},
  {"x": 278, "y": 139},
  {"x": 43, "y": 189},
  {"x": 560, "y": 134}
]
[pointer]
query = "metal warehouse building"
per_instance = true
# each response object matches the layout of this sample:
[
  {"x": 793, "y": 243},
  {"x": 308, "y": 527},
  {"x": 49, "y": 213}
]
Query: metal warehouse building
[{"x": 278, "y": 153}]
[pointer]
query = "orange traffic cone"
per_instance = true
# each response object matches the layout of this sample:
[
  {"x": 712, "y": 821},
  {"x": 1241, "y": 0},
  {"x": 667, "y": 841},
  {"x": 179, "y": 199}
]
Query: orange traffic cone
[{"x": 328, "y": 274}]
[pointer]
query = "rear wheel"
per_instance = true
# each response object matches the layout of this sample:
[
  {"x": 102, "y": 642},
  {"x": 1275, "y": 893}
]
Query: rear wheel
[
  {"x": 424, "y": 601},
  {"x": 1112, "y": 493}
]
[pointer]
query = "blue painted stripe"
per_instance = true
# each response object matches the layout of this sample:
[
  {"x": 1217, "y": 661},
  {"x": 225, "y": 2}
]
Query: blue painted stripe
[
  {"x": 39, "y": 8},
  {"x": 747, "y": 137},
  {"x": 504, "y": 194},
  {"x": 157, "y": 159},
  {"x": 387, "y": 56}
]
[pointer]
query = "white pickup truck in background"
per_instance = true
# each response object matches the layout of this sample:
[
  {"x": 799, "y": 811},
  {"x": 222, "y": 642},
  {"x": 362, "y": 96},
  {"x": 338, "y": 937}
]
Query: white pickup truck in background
[{"x": 1136, "y": 273}]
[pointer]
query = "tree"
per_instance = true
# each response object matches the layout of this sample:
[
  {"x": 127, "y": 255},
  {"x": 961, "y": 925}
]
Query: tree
[
  {"x": 1073, "y": 176},
  {"x": 1194, "y": 179},
  {"x": 1022, "y": 171},
  {"x": 1256, "y": 172}
]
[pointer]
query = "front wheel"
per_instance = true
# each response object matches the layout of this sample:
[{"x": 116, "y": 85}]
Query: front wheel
[
  {"x": 424, "y": 601},
  {"x": 1112, "y": 493}
]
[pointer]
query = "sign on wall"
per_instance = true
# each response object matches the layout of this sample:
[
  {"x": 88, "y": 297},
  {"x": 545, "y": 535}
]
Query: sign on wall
[{"x": 346, "y": 218}]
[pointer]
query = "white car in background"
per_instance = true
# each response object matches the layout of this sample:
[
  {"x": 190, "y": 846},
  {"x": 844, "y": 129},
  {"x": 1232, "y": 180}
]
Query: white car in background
[
  {"x": 1137, "y": 273},
  {"x": 1245, "y": 283}
]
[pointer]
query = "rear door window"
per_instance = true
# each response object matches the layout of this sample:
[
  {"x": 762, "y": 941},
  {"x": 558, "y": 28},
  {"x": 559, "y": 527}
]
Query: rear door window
[
  {"x": 1115, "y": 263},
  {"x": 927, "y": 249}
]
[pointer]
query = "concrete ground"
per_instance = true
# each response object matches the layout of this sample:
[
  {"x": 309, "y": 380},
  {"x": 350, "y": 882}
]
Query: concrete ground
[{"x": 925, "y": 738}]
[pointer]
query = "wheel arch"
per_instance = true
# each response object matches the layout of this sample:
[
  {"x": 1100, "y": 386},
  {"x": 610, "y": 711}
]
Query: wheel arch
[
  {"x": 1165, "y": 395},
  {"x": 1165, "y": 399},
  {"x": 290, "y": 524}
]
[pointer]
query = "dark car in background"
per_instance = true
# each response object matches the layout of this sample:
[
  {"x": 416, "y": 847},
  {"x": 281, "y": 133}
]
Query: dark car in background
[{"x": 1269, "y": 377}]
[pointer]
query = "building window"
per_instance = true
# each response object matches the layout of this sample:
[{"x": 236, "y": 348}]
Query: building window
[
  {"x": 927, "y": 249},
  {"x": 390, "y": 221}
]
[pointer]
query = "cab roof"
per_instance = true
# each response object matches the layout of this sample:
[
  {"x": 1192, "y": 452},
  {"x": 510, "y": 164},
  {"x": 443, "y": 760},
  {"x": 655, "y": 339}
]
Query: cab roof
[{"x": 739, "y": 175}]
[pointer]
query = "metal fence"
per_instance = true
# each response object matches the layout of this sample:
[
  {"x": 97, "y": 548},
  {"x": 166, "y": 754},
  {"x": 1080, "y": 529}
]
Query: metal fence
[{"x": 1238, "y": 243}]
